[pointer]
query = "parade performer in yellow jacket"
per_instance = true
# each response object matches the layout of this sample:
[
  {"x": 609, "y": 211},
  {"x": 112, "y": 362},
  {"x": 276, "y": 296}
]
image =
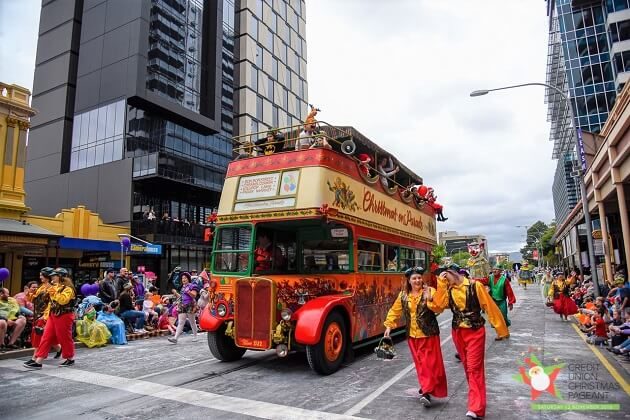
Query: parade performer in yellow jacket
[
  {"x": 423, "y": 333},
  {"x": 466, "y": 299},
  {"x": 563, "y": 305}
]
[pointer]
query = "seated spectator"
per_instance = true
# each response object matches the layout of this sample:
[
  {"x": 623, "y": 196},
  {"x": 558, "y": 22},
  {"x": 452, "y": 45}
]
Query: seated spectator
[
  {"x": 127, "y": 310},
  {"x": 24, "y": 298},
  {"x": 155, "y": 296},
  {"x": 621, "y": 336},
  {"x": 10, "y": 319},
  {"x": 598, "y": 330},
  {"x": 115, "y": 325},
  {"x": 148, "y": 307},
  {"x": 92, "y": 332}
]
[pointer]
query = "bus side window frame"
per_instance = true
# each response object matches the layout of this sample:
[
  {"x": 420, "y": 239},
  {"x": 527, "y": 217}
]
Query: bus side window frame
[{"x": 380, "y": 254}]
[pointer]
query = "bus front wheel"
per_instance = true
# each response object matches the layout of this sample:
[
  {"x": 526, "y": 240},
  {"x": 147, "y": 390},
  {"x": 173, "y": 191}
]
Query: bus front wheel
[
  {"x": 326, "y": 356},
  {"x": 223, "y": 347}
]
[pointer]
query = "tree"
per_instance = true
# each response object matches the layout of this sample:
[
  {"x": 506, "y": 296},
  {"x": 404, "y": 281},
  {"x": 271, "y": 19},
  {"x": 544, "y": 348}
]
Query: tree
[
  {"x": 437, "y": 253},
  {"x": 461, "y": 258},
  {"x": 535, "y": 231}
]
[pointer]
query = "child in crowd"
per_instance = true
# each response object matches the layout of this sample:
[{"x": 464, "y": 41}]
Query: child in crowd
[
  {"x": 598, "y": 330},
  {"x": 148, "y": 307}
]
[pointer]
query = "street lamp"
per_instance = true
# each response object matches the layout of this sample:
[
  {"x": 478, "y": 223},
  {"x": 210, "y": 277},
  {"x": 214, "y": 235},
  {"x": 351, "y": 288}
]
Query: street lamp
[{"x": 587, "y": 215}]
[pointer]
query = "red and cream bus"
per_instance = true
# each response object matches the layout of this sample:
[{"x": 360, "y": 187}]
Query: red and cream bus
[{"x": 309, "y": 249}]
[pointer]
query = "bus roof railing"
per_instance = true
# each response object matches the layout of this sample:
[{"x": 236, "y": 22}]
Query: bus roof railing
[{"x": 346, "y": 140}]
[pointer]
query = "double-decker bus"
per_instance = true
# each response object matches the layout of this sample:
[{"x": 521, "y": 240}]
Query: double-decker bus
[{"x": 310, "y": 247}]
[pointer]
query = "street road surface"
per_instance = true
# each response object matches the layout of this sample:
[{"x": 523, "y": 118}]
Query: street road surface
[{"x": 154, "y": 379}]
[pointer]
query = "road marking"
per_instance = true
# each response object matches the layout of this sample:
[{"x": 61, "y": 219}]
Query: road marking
[
  {"x": 197, "y": 398},
  {"x": 356, "y": 409},
  {"x": 604, "y": 361},
  {"x": 162, "y": 372}
]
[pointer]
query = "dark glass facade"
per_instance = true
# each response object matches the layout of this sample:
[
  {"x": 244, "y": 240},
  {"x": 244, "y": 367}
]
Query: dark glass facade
[
  {"x": 174, "y": 56},
  {"x": 565, "y": 190},
  {"x": 587, "y": 62}
]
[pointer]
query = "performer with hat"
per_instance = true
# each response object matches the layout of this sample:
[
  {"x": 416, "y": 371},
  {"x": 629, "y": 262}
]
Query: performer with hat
[
  {"x": 59, "y": 325},
  {"x": 501, "y": 292},
  {"x": 41, "y": 311},
  {"x": 559, "y": 291},
  {"x": 466, "y": 299},
  {"x": 423, "y": 333}
]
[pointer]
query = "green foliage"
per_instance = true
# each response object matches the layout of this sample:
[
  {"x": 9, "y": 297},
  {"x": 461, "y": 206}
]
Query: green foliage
[
  {"x": 438, "y": 252},
  {"x": 461, "y": 258},
  {"x": 539, "y": 236}
]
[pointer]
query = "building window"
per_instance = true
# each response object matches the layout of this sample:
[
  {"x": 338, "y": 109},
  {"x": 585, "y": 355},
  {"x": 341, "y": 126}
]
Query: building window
[
  {"x": 259, "y": 8},
  {"x": 259, "y": 56},
  {"x": 275, "y": 120},
  {"x": 274, "y": 68},
  {"x": 259, "y": 108},
  {"x": 97, "y": 136},
  {"x": 254, "y": 79},
  {"x": 270, "y": 89}
]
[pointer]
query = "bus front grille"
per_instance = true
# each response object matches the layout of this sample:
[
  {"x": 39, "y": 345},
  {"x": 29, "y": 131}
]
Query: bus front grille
[{"x": 253, "y": 312}]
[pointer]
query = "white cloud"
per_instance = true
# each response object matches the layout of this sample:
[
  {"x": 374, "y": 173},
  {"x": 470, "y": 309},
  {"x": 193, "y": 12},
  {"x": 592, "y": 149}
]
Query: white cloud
[
  {"x": 18, "y": 37},
  {"x": 401, "y": 73}
]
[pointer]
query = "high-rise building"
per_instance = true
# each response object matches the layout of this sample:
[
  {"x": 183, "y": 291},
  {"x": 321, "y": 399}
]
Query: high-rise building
[
  {"x": 271, "y": 88},
  {"x": 588, "y": 43},
  {"x": 564, "y": 189},
  {"x": 137, "y": 106}
]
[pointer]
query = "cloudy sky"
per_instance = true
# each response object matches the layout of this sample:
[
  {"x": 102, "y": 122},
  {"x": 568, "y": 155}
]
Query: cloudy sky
[{"x": 400, "y": 71}]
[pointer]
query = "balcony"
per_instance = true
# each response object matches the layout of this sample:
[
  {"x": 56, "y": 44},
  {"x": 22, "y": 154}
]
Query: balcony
[{"x": 172, "y": 232}]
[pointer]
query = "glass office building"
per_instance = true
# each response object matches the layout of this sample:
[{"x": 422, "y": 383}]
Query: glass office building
[
  {"x": 589, "y": 43},
  {"x": 138, "y": 101}
]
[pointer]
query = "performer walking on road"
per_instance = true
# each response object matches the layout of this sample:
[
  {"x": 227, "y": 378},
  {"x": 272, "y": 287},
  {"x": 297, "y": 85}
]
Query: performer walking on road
[
  {"x": 563, "y": 305},
  {"x": 423, "y": 334},
  {"x": 466, "y": 298},
  {"x": 501, "y": 292}
]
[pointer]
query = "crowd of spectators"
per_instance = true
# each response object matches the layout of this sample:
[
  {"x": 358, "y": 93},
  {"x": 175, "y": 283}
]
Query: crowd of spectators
[
  {"x": 605, "y": 319},
  {"x": 123, "y": 305}
]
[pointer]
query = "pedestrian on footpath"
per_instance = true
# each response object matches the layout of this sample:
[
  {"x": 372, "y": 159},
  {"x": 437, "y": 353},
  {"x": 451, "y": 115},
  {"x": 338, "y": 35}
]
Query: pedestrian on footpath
[
  {"x": 466, "y": 298},
  {"x": 59, "y": 325},
  {"x": 41, "y": 311},
  {"x": 186, "y": 307},
  {"x": 559, "y": 291},
  {"x": 423, "y": 334},
  {"x": 501, "y": 292}
]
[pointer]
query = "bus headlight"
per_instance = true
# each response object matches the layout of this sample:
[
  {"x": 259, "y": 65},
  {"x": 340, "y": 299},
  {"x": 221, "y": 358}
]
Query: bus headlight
[
  {"x": 221, "y": 309},
  {"x": 285, "y": 314}
]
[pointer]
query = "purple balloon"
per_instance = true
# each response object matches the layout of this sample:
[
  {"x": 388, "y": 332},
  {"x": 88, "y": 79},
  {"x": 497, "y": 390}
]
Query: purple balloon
[
  {"x": 85, "y": 289},
  {"x": 126, "y": 242},
  {"x": 4, "y": 274},
  {"x": 94, "y": 289}
]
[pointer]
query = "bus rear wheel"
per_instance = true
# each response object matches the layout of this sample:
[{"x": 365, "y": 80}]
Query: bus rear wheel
[
  {"x": 326, "y": 356},
  {"x": 223, "y": 347}
]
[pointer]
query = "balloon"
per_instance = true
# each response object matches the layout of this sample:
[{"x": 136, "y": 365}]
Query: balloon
[
  {"x": 94, "y": 289},
  {"x": 422, "y": 191},
  {"x": 85, "y": 289},
  {"x": 125, "y": 241},
  {"x": 4, "y": 274}
]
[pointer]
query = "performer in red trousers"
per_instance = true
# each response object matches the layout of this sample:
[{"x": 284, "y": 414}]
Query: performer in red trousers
[
  {"x": 423, "y": 334},
  {"x": 59, "y": 325},
  {"x": 466, "y": 298}
]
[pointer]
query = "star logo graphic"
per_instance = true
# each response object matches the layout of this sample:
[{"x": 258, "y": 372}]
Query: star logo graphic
[{"x": 540, "y": 378}]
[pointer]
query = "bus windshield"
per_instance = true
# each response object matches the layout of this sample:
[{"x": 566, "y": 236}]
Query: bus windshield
[{"x": 232, "y": 250}]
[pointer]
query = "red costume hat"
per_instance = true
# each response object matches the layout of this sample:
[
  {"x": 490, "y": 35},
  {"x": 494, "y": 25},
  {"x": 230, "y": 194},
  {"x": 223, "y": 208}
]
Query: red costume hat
[{"x": 364, "y": 158}]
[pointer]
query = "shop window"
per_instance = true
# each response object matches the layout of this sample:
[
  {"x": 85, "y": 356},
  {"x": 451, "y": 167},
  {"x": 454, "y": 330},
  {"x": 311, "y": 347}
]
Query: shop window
[{"x": 369, "y": 256}]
